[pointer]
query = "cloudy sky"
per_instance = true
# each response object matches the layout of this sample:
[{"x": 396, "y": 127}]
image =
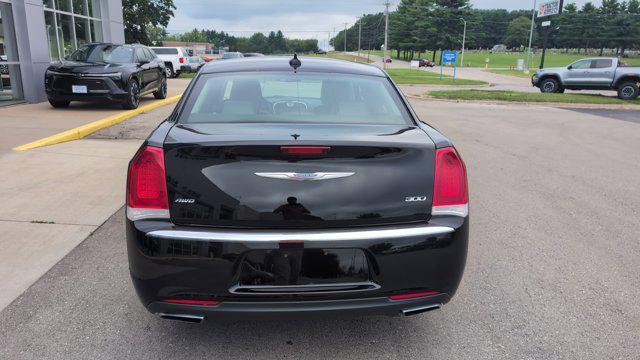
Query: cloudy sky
[{"x": 297, "y": 19}]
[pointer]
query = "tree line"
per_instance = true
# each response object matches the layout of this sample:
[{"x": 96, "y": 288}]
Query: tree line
[
  {"x": 273, "y": 43},
  {"x": 431, "y": 25}
]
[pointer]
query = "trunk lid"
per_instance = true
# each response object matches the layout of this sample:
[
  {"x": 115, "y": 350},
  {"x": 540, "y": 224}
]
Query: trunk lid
[{"x": 370, "y": 174}]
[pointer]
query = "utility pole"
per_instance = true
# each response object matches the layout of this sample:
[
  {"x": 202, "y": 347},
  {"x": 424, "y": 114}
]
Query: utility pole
[
  {"x": 334, "y": 32},
  {"x": 386, "y": 34},
  {"x": 533, "y": 19},
  {"x": 328, "y": 40},
  {"x": 359, "y": 33},
  {"x": 464, "y": 38},
  {"x": 345, "y": 37}
]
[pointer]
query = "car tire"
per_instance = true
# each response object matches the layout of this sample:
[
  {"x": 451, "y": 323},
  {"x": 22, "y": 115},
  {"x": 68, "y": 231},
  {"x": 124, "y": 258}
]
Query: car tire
[
  {"x": 59, "y": 104},
  {"x": 549, "y": 85},
  {"x": 560, "y": 91},
  {"x": 168, "y": 70},
  {"x": 161, "y": 93},
  {"x": 133, "y": 95},
  {"x": 628, "y": 91}
]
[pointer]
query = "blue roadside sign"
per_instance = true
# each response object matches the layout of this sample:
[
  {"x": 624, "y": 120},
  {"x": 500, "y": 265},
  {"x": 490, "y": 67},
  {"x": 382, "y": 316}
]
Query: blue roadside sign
[{"x": 449, "y": 57}]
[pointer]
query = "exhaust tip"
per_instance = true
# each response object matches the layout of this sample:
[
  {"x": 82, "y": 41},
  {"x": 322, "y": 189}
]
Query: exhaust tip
[
  {"x": 197, "y": 319},
  {"x": 420, "y": 309}
]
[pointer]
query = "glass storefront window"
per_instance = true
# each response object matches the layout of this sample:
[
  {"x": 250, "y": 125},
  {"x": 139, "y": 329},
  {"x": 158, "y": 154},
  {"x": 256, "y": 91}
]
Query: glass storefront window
[
  {"x": 63, "y": 5},
  {"x": 94, "y": 8},
  {"x": 50, "y": 24},
  {"x": 71, "y": 24},
  {"x": 96, "y": 31},
  {"x": 65, "y": 34},
  {"x": 10, "y": 80},
  {"x": 82, "y": 31},
  {"x": 80, "y": 7}
]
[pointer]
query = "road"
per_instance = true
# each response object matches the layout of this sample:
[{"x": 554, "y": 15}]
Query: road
[{"x": 552, "y": 271}]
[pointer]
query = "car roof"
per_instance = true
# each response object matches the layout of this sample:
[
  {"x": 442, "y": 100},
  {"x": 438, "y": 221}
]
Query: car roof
[
  {"x": 281, "y": 63},
  {"x": 598, "y": 58}
]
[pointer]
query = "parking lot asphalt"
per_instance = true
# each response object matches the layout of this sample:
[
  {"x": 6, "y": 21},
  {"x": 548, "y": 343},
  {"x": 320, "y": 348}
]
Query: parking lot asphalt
[
  {"x": 24, "y": 123},
  {"x": 551, "y": 273}
]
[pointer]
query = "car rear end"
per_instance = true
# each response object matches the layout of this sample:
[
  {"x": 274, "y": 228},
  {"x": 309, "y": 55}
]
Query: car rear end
[
  {"x": 174, "y": 57},
  {"x": 226, "y": 219}
]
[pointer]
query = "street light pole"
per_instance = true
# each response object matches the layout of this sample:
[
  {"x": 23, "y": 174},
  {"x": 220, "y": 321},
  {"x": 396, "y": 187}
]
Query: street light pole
[
  {"x": 359, "y": 34},
  {"x": 386, "y": 34},
  {"x": 464, "y": 38},
  {"x": 345, "y": 37},
  {"x": 533, "y": 19}
]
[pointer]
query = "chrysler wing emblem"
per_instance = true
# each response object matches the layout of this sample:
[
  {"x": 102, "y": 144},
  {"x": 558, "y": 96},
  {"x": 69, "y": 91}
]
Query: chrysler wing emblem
[{"x": 304, "y": 176}]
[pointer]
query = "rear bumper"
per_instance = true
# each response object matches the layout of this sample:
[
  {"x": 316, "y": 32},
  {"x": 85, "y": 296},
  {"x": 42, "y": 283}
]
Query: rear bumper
[
  {"x": 291, "y": 309},
  {"x": 171, "y": 262}
]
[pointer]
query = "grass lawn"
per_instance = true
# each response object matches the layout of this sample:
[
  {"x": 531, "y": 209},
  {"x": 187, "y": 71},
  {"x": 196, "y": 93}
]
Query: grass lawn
[
  {"x": 518, "y": 73},
  {"x": 414, "y": 76},
  {"x": 528, "y": 97},
  {"x": 187, "y": 75},
  {"x": 342, "y": 56},
  {"x": 474, "y": 58}
]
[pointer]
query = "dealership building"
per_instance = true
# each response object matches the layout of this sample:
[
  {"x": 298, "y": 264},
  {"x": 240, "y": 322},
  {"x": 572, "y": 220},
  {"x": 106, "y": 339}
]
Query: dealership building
[{"x": 34, "y": 33}]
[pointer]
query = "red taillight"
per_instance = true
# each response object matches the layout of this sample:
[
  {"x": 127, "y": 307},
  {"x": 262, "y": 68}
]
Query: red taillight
[
  {"x": 147, "y": 187},
  {"x": 181, "y": 60},
  {"x": 413, "y": 296},
  {"x": 305, "y": 150},
  {"x": 193, "y": 302},
  {"x": 450, "y": 194}
]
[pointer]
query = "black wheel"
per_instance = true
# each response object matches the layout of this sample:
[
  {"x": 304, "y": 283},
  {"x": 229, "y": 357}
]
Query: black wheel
[
  {"x": 161, "y": 93},
  {"x": 169, "y": 71},
  {"x": 628, "y": 91},
  {"x": 549, "y": 85},
  {"x": 133, "y": 95},
  {"x": 59, "y": 103}
]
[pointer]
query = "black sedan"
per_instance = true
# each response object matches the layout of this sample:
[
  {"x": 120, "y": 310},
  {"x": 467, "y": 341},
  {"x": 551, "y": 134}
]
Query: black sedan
[
  {"x": 280, "y": 188},
  {"x": 106, "y": 73}
]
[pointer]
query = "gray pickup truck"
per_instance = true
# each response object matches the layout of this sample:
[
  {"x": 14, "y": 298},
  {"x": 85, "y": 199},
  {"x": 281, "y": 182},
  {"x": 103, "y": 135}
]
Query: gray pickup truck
[{"x": 591, "y": 74}]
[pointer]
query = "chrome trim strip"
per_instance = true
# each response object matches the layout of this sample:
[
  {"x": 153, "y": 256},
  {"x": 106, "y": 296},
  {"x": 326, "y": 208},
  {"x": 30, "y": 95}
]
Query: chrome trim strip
[
  {"x": 186, "y": 317},
  {"x": 420, "y": 309},
  {"x": 304, "y": 176},
  {"x": 134, "y": 214},
  {"x": 305, "y": 289},
  {"x": 277, "y": 236}
]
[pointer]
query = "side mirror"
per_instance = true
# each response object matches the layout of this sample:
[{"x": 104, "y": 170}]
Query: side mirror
[
  {"x": 143, "y": 62},
  {"x": 570, "y": 67}
]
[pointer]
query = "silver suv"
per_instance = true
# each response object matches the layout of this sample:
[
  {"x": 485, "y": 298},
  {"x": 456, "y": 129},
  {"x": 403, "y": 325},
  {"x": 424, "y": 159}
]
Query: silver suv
[{"x": 591, "y": 74}]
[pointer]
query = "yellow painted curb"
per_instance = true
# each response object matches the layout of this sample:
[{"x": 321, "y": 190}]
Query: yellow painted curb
[{"x": 84, "y": 130}]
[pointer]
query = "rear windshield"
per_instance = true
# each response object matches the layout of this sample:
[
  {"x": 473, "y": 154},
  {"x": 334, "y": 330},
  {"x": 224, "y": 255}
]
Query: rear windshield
[
  {"x": 294, "y": 98},
  {"x": 165, "y": 51}
]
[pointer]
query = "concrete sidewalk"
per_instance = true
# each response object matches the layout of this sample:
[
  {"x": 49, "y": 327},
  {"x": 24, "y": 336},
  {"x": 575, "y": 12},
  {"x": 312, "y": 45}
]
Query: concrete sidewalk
[
  {"x": 56, "y": 196},
  {"x": 23, "y": 123}
]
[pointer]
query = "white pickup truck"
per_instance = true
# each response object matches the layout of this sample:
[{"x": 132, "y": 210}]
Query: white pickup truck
[
  {"x": 176, "y": 60},
  {"x": 591, "y": 74}
]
